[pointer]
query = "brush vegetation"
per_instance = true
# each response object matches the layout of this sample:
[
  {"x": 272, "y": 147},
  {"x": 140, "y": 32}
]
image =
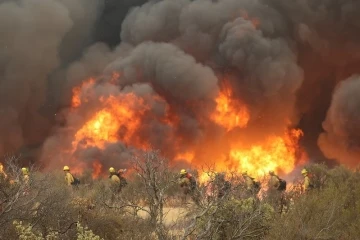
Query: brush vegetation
[{"x": 150, "y": 207}]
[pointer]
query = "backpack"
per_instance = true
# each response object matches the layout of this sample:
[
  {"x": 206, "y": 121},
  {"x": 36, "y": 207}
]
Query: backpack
[
  {"x": 76, "y": 181},
  {"x": 123, "y": 181},
  {"x": 227, "y": 186},
  {"x": 192, "y": 181},
  {"x": 257, "y": 185},
  {"x": 282, "y": 185}
]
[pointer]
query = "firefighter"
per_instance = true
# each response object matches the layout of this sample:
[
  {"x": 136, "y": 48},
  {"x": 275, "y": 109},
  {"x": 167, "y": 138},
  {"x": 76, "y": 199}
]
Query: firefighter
[
  {"x": 188, "y": 185},
  {"x": 113, "y": 176},
  {"x": 307, "y": 183},
  {"x": 117, "y": 179},
  {"x": 69, "y": 178},
  {"x": 26, "y": 180},
  {"x": 251, "y": 185},
  {"x": 26, "y": 177},
  {"x": 277, "y": 187},
  {"x": 274, "y": 182}
]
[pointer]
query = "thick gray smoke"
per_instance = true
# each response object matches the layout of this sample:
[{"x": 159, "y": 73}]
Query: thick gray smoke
[
  {"x": 341, "y": 139},
  {"x": 31, "y": 33},
  {"x": 261, "y": 62},
  {"x": 330, "y": 27},
  {"x": 176, "y": 56},
  {"x": 169, "y": 70},
  {"x": 37, "y": 37}
]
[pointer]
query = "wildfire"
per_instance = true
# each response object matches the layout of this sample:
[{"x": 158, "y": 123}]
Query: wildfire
[
  {"x": 187, "y": 156},
  {"x": 277, "y": 154},
  {"x": 119, "y": 118},
  {"x": 229, "y": 113},
  {"x": 116, "y": 121}
]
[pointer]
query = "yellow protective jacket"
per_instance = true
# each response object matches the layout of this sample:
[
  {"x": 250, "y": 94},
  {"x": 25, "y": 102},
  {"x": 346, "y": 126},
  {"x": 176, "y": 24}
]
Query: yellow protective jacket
[
  {"x": 274, "y": 182},
  {"x": 184, "y": 182},
  {"x": 69, "y": 179},
  {"x": 306, "y": 185},
  {"x": 26, "y": 178},
  {"x": 115, "y": 179},
  {"x": 249, "y": 182}
]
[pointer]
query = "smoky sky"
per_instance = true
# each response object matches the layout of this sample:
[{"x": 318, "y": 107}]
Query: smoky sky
[{"x": 289, "y": 62}]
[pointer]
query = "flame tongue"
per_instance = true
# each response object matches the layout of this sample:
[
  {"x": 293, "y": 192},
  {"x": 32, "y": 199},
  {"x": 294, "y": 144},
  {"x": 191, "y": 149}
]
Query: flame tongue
[
  {"x": 229, "y": 113},
  {"x": 276, "y": 154},
  {"x": 118, "y": 113}
]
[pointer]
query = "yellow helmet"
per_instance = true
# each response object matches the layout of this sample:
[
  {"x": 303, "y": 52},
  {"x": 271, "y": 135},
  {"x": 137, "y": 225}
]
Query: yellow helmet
[
  {"x": 66, "y": 168},
  {"x": 183, "y": 171},
  {"x": 304, "y": 171},
  {"x": 111, "y": 170},
  {"x": 25, "y": 170}
]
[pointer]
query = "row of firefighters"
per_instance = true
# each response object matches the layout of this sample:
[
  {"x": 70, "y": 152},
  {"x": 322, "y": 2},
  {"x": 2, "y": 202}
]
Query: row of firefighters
[
  {"x": 220, "y": 186},
  {"x": 188, "y": 182}
]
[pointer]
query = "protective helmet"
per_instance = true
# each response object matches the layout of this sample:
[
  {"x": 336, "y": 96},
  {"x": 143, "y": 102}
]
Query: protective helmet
[
  {"x": 183, "y": 171},
  {"x": 25, "y": 170},
  {"x": 66, "y": 168},
  {"x": 111, "y": 170},
  {"x": 304, "y": 171}
]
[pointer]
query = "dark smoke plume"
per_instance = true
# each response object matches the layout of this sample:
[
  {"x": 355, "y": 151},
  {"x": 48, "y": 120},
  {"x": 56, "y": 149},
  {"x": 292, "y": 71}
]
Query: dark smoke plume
[
  {"x": 31, "y": 33},
  {"x": 341, "y": 139}
]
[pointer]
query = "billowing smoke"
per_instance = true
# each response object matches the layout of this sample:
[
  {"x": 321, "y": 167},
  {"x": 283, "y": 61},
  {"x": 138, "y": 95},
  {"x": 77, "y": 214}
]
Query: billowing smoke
[
  {"x": 342, "y": 131},
  {"x": 31, "y": 33},
  {"x": 277, "y": 60}
]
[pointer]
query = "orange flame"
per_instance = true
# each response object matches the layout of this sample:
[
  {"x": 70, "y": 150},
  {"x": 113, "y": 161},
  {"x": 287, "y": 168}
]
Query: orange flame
[
  {"x": 187, "y": 156},
  {"x": 76, "y": 99},
  {"x": 118, "y": 114},
  {"x": 275, "y": 154},
  {"x": 229, "y": 113}
]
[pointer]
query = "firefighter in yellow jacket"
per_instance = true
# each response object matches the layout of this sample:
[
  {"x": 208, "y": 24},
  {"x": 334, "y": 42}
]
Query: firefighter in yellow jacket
[
  {"x": 26, "y": 177},
  {"x": 307, "y": 183},
  {"x": 274, "y": 182},
  {"x": 252, "y": 186},
  {"x": 69, "y": 178},
  {"x": 26, "y": 180},
  {"x": 113, "y": 176},
  {"x": 117, "y": 179}
]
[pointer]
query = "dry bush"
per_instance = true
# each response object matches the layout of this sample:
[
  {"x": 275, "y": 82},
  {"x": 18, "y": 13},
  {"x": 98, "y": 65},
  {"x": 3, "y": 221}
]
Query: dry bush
[{"x": 49, "y": 207}]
